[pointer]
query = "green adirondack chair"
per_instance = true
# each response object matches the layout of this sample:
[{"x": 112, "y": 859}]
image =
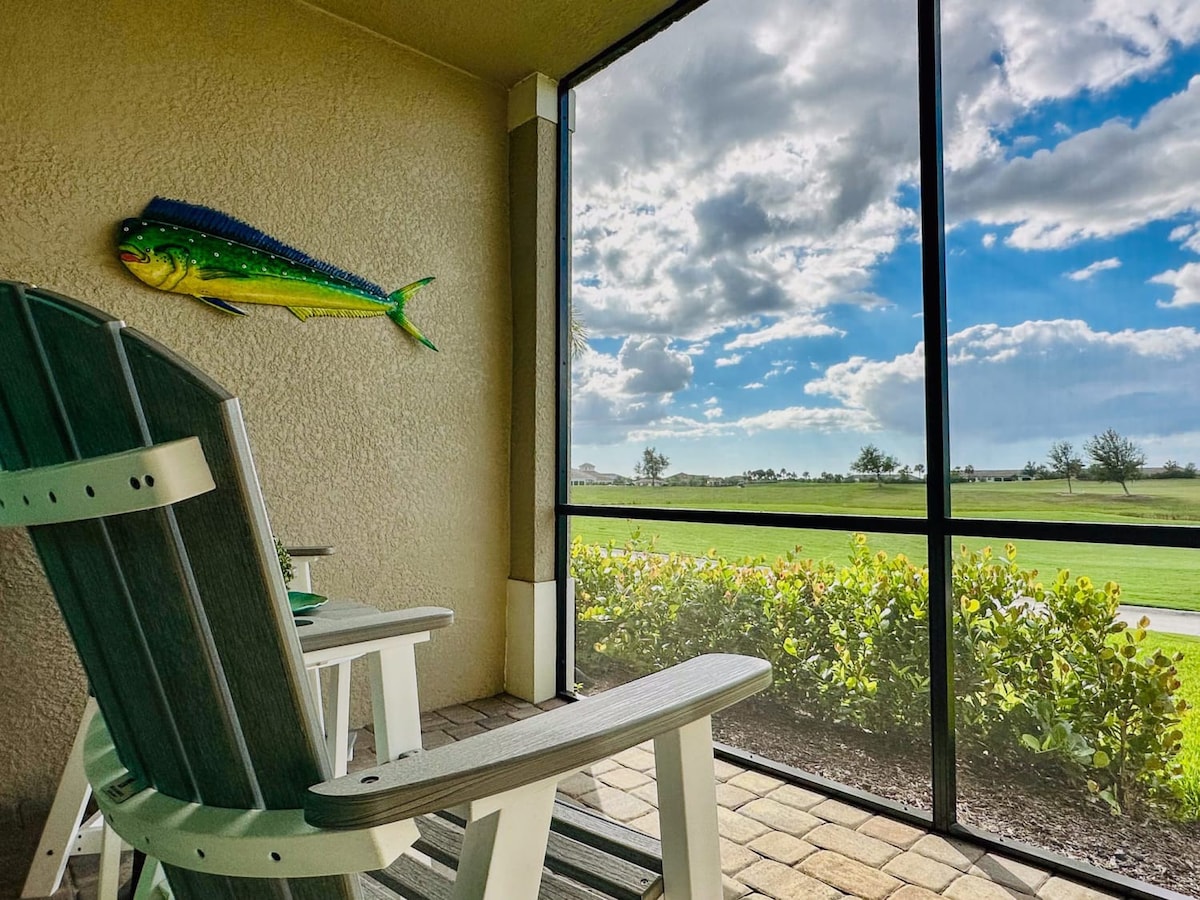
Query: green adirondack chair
[{"x": 133, "y": 474}]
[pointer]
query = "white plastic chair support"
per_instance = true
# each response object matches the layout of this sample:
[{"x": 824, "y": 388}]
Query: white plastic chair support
[
  {"x": 504, "y": 847},
  {"x": 687, "y": 812},
  {"x": 61, "y": 830},
  {"x": 252, "y": 843},
  {"x": 338, "y": 726},
  {"x": 393, "y": 674},
  {"x": 110, "y": 864}
]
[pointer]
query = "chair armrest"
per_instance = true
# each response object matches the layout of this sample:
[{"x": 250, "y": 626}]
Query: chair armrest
[
  {"x": 311, "y": 552},
  {"x": 341, "y": 624},
  {"x": 537, "y": 748}
]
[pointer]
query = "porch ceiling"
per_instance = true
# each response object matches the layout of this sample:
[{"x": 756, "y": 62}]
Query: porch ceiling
[{"x": 502, "y": 40}]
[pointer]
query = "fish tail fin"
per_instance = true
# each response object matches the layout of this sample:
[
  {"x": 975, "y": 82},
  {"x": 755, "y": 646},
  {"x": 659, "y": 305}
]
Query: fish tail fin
[{"x": 396, "y": 313}]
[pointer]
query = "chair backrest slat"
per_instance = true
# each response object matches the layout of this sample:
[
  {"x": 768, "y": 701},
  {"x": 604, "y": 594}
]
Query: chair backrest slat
[
  {"x": 79, "y": 560},
  {"x": 178, "y": 613},
  {"x": 237, "y": 572}
]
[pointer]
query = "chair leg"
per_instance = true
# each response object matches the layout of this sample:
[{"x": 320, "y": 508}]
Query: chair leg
[
  {"x": 110, "y": 865},
  {"x": 314, "y": 685},
  {"x": 152, "y": 885},
  {"x": 504, "y": 847},
  {"x": 337, "y": 726},
  {"x": 394, "y": 703},
  {"x": 66, "y": 815},
  {"x": 687, "y": 812}
]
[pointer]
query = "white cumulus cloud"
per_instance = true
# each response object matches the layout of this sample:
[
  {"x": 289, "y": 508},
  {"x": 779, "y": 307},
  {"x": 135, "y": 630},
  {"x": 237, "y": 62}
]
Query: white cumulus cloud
[
  {"x": 1186, "y": 281},
  {"x": 1099, "y": 266}
]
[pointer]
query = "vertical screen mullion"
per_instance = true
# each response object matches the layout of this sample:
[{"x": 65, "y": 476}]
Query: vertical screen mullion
[{"x": 937, "y": 441}]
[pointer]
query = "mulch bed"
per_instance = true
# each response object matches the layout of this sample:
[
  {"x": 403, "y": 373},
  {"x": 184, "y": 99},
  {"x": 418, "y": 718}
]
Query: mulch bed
[{"x": 1017, "y": 801}]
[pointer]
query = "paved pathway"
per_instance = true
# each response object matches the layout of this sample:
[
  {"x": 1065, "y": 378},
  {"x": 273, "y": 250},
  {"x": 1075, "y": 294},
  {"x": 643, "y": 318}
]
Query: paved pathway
[{"x": 1173, "y": 621}]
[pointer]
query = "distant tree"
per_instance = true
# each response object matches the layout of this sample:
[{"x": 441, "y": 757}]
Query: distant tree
[
  {"x": 919, "y": 468},
  {"x": 1115, "y": 458},
  {"x": 1172, "y": 469},
  {"x": 804, "y": 474},
  {"x": 652, "y": 465},
  {"x": 1064, "y": 463},
  {"x": 968, "y": 470},
  {"x": 873, "y": 461}
]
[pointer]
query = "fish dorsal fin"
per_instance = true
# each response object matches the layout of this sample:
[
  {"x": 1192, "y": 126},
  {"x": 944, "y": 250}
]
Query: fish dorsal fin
[{"x": 222, "y": 225}]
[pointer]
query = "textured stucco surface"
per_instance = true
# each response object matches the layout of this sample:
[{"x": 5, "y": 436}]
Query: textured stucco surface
[
  {"x": 533, "y": 193},
  {"x": 358, "y": 151},
  {"x": 503, "y": 40}
]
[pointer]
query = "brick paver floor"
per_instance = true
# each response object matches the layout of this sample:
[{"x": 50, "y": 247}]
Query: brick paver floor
[{"x": 782, "y": 842}]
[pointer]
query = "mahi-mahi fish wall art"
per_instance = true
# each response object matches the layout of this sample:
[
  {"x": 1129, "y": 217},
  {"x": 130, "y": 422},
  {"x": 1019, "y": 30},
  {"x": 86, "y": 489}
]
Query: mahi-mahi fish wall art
[{"x": 189, "y": 249}]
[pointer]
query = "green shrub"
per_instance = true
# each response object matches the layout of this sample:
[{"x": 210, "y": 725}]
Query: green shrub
[{"x": 1039, "y": 669}]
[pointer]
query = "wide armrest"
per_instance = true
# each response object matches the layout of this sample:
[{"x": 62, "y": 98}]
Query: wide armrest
[
  {"x": 540, "y": 747},
  {"x": 308, "y": 552},
  {"x": 343, "y": 622}
]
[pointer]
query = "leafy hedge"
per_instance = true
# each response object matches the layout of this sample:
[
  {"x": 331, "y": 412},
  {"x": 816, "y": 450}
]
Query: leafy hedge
[{"x": 1040, "y": 668}]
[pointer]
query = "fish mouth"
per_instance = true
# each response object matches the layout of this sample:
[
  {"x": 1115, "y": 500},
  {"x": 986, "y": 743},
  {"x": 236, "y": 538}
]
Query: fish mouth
[{"x": 130, "y": 255}]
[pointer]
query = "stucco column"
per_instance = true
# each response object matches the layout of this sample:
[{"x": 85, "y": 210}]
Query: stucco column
[{"x": 532, "y": 172}]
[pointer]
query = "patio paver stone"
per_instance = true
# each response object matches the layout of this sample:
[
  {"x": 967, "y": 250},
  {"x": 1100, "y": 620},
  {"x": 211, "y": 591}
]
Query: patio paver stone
[
  {"x": 912, "y": 892},
  {"x": 756, "y": 782},
  {"x": 840, "y": 813},
  {"x": 895, "y": 833},
  {"x": 782, "y": 847},
  {"x": 616, "y": 804},
  {"x": 779, "y": 817},
  {"x": 800, "y": 798},
  {"x": 923, "y": 871},
  {"x": 735, "y": 857},
  {"x": 732, "y": 889},
  {"x": 648, "y": 824},
  {"x": 1010, "y": 873},
  {"x": 725, "y": 770},
  {"x": 737, "y": 827},
  {"x": 648, "y": 793},
  {"x": 973, "y": 887},
  {"x": 1061, "y": 889},
  {"x": 850, "y": 843},
  {"x": 732, "y": 797},
  {"x": 785, "y": 883},
  {"x": 624, "y": 779},
  {"x": 849, "y": 875},
  {"x": 460, "y": 714},
  {"x": 949, "y": 851},
  {"x": 636, "y": 758}
]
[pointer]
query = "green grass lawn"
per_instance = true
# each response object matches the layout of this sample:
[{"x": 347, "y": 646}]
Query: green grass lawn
[
  {"x": 1189, "y": 675},
  {"x": 1149, "y": 576}
]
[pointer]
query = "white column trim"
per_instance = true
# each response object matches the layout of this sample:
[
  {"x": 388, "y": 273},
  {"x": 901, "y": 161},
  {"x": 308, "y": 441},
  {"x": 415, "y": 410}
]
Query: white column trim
[
  {"x": 531, "y": 646},
  {"x": 535, "y": 97}
]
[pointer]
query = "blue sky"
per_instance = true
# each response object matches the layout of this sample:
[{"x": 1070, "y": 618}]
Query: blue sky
[{"x": 747, "y": 247}]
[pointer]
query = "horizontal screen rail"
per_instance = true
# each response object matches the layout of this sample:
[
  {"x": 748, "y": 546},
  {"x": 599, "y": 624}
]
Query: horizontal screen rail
[
  {"x": 832, "y": 522},
  {"x": 1184, "y": 536}
]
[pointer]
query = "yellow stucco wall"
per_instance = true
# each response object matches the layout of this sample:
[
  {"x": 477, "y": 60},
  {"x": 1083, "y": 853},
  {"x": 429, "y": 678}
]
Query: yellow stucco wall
[{"x": 355, "y": 149}]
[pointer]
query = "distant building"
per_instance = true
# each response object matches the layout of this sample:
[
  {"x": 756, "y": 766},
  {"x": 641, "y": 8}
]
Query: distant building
[
  {"x": 587, "y": 474},
  {"x": 997, "y": 475}
]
